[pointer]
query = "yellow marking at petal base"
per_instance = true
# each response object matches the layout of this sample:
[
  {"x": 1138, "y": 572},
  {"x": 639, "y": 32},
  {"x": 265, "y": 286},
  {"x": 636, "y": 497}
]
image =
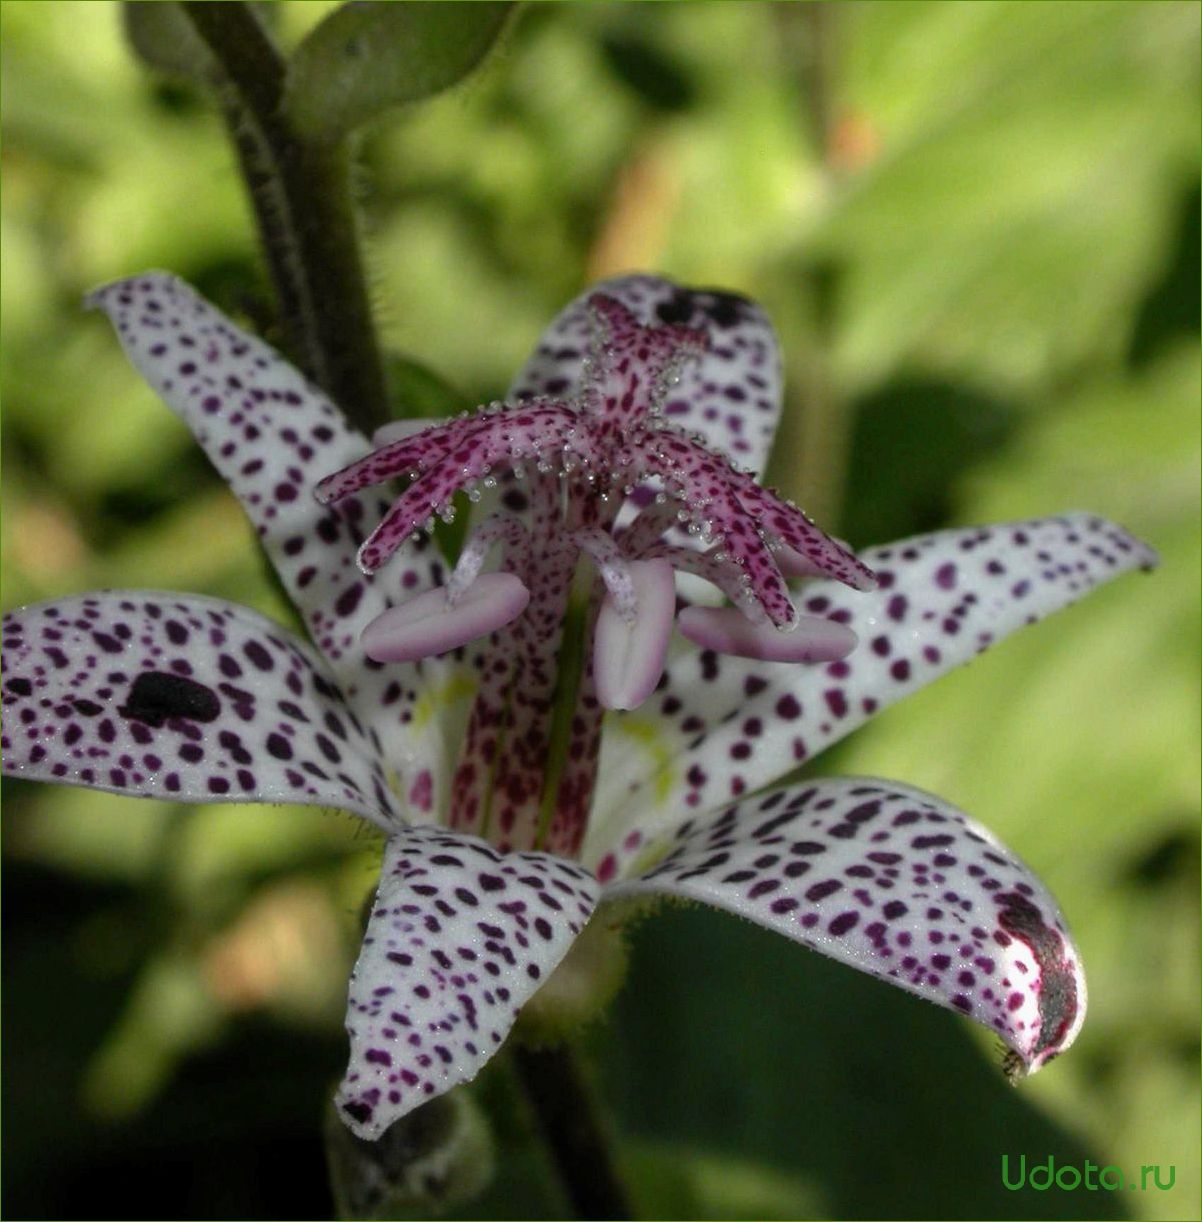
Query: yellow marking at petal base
[
  {"x": 649, "y": 735},
  {"x": 648, "y": 859},
  {"x": 438, "y": 697}
]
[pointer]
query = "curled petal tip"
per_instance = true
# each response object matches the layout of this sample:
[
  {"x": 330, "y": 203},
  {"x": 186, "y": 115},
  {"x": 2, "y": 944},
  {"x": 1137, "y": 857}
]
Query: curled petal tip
[
  {"x": 1148, "y": 558},
  {"x": 426, "y": 626},
  {"x": 728, "y": 630},
  {"x": 629, "y": 654}
]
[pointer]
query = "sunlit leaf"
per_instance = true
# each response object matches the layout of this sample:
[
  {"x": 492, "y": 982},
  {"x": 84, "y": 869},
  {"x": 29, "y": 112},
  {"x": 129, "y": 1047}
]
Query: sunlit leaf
[{"x": 365, "y": 58}]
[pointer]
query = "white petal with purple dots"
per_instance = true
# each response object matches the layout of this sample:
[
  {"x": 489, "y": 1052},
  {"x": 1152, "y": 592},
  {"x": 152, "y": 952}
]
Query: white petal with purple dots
[
  {"x": 459, "y": 937},
  {"x": 182, "y": 697},
  {"x": 272, "y": 435},
  {"x": 896, "y": 883},
  {"x": 727, "y": 726}
]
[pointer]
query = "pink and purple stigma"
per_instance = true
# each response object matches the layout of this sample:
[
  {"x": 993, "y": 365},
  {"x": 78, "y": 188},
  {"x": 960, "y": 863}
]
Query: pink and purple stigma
[{"x": 585, "y": 457}]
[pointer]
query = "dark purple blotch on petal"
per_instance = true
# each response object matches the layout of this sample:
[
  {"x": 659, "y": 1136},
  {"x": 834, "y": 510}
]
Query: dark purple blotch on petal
[{"x": 156, "y": 696}]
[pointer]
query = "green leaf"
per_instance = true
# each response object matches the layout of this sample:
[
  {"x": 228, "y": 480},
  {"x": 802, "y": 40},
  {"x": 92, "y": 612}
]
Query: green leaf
[
  {"x": 160, "y": 34},
  {"x": 162, "y": 37},
  {"x": 367, "y": 57},
  {"x": 674, "y": 1180}
]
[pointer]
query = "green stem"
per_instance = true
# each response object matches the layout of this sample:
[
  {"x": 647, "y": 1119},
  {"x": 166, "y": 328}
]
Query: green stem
[
  {"x": 569, "y": 675},
  {"x": 813, "y": 443},
  {"x": 818, "y": 73},
  {"x": 826, "y": 427},
  {"x": 563, "y": 1103},
  {"x": 825, "y": 421},
  {"x": 303, "y": 206}
]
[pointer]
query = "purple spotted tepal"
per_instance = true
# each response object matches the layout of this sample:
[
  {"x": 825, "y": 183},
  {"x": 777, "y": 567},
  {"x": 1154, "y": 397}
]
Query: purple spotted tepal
[{"x": 531, "y": 738}]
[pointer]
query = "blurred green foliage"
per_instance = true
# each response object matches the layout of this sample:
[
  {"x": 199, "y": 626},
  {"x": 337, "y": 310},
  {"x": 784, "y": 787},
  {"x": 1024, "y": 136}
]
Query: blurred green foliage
[{"x": 976, "y": 226}]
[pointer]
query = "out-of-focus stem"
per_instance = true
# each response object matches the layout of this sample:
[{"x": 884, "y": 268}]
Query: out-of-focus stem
[
  {"x": 303, "y": 206},
  {"x": 825, "y": 423},
  {"x": 819, "y": 440},
  {"x": 563, "y": 1103}
]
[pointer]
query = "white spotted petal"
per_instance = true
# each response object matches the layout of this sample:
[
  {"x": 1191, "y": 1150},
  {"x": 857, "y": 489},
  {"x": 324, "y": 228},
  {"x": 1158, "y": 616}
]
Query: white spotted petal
[
  {"x": 273, "y": 435},
  {"x": 181, "y": 697},
  {"x": 728, "y": 726},
  {"x": 460, "y": 936},
  {"x": 896, "y": 883}
]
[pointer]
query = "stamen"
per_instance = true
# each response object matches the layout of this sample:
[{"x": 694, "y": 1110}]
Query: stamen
[
  {"x": 629, "y": 654},
  {"x": 727, "y": 630},
  {"x": 632, "y": 367},
  {"x": 580, "y": 459},
  {"x": 497, "y": 527},
  {"x": 426, "y": 625},
  {"x": 614, "y": 570}
]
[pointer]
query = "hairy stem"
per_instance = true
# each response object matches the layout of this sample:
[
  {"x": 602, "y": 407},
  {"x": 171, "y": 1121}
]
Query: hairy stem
[
  {"x": 302, "y": 201},
  {"x": 560, "y": 1097}
]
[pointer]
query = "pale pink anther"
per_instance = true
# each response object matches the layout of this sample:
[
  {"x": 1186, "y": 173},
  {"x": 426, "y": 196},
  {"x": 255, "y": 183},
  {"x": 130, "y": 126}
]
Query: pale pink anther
[
  {"x": 426, "y": 626},
  {"x": 629, "y": 655},
  {"x": 728, "y": 630}
]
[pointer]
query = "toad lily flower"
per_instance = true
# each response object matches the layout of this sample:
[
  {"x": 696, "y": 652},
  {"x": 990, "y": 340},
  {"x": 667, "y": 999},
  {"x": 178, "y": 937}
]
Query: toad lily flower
[{"x": 462, "y": 712}]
